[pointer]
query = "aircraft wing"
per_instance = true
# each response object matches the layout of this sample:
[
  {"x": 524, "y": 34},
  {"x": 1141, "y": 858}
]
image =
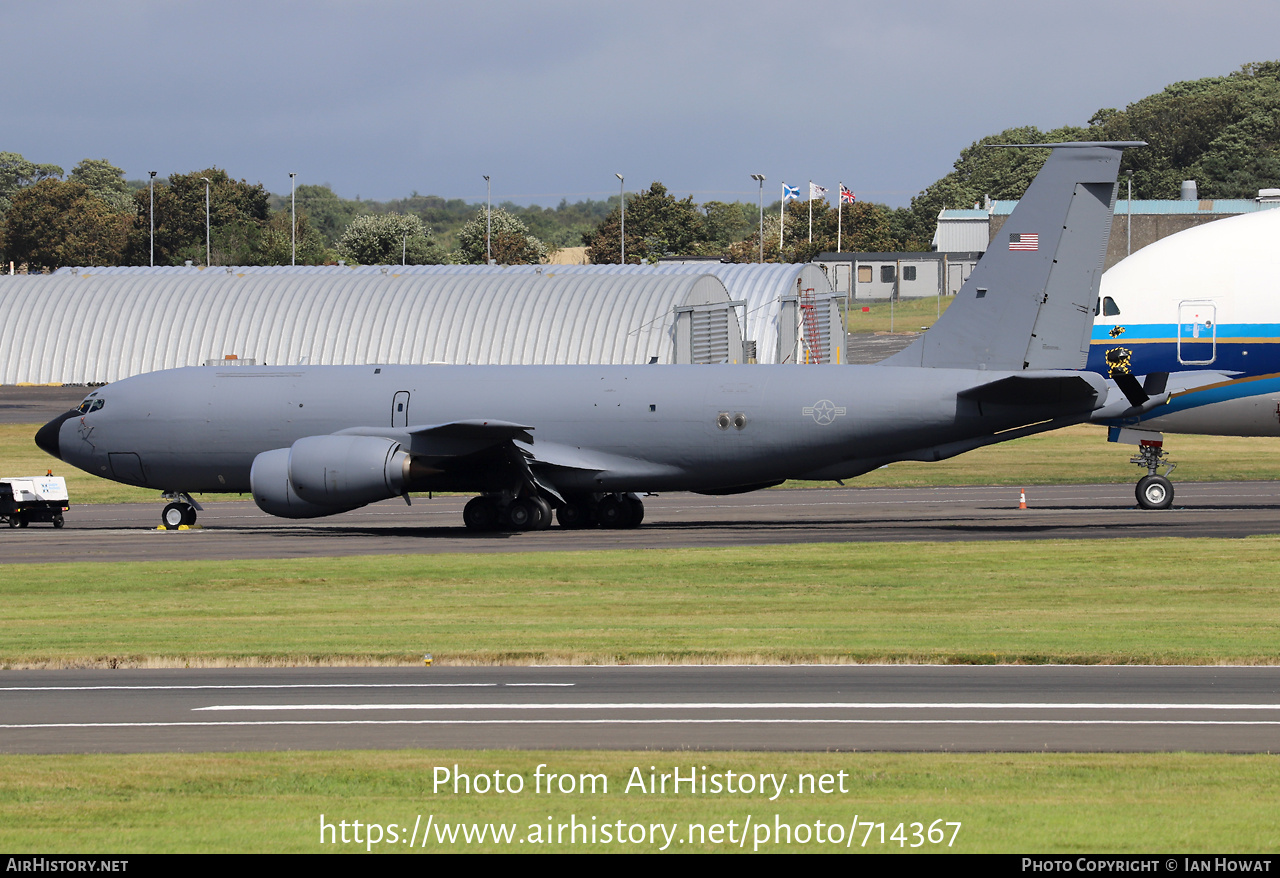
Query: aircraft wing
[{"x": 452, "y": 439}]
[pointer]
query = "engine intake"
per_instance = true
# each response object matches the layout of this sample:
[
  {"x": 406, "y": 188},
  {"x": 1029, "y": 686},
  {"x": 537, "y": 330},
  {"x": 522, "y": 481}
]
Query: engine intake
[{"x": 325, "y": 475}]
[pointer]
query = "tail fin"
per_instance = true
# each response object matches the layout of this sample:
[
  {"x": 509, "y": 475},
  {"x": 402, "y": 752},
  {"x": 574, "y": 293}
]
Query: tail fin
[{"x": 1030, "y": 302}]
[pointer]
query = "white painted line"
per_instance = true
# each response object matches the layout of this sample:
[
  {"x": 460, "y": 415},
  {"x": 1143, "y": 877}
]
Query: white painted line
[
  {"x": 279, "y": 686},
  {"x": 748, "y": 705},
  {"x": 622, "y": 721}
]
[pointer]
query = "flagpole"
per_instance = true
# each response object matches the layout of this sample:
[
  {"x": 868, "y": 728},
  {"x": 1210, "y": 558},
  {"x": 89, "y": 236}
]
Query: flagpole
[
  {"x": 782, "y": 216},
  {"x": 810, "y": 211},
  {"x": 839, "y": 215}
]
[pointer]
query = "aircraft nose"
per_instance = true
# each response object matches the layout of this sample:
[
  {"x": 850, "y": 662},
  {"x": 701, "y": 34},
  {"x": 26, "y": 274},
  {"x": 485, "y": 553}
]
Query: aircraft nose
[{"x": 47, "y": 436}]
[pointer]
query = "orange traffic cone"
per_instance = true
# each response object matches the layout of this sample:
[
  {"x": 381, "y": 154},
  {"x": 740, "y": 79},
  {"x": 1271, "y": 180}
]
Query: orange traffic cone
[{"x": 1022, "y": 499}]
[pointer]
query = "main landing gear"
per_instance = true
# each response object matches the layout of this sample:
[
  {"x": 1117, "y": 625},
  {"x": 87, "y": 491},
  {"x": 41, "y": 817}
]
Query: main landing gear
[
  {"x": 181, "y": 512},
  {"x": 533, "y": 512},
  {"x": 1154, "y": 491}
]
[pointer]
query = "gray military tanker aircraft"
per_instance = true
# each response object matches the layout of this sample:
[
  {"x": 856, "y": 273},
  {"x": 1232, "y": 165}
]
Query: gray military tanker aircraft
[{"x": 310, "y": 441}]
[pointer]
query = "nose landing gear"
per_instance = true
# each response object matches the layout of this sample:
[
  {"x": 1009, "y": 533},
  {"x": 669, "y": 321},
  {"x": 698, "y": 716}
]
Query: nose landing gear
[{"x": 181, "y": 512}]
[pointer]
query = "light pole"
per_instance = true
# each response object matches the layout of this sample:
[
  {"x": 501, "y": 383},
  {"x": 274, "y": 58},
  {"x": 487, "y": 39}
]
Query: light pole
[
  {"x": 488, "y": 221},
  {"x": 1128, "y": 222},
  {"x": 293, "y": 219},
  {"x": 206, "y": 221},
  {"x": 152, "y": 186},
  {"x": 759, "y": 178},
  {"x": 622, "y": 206}
]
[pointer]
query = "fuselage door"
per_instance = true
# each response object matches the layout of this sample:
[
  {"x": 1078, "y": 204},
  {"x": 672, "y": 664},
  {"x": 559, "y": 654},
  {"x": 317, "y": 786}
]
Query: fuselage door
[
  {"x": 126, "y": 467},
  {"x": 400, "y": 409},
  {"x": 1197, "y": 332}
]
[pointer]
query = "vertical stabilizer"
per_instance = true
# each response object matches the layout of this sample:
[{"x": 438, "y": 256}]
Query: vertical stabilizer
[{"x": 1029, "y": 304}]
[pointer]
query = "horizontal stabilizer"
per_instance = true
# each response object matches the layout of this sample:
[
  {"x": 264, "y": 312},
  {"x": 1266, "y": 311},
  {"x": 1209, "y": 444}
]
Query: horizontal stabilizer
[
  {"x": 1039, "y": 390},
  {"x": 1156, "y": 383}
]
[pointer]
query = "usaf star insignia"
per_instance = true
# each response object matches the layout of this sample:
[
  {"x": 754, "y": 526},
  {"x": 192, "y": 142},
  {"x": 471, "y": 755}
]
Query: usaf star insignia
[{"x": 824, "y": 411}]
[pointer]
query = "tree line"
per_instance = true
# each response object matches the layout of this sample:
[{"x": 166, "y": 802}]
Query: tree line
[{"x": 1224, "y": 132}]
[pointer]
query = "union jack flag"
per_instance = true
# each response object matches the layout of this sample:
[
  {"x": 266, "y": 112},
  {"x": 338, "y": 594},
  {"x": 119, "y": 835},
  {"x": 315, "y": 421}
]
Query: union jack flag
[
  {"x": 1024, "y": 241},
  {"x": 846, "y": 195}
]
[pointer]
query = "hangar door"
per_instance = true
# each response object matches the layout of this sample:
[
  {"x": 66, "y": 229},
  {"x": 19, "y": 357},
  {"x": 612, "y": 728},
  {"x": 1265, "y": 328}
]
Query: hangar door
[
  {"x": 810, "y": 330},
  {"x": 708, "y": 333},
  {"x": 706, "y": 328}
]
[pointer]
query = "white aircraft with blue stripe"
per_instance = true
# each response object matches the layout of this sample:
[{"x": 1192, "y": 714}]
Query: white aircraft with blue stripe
[{"x": 1202, "y": 305}]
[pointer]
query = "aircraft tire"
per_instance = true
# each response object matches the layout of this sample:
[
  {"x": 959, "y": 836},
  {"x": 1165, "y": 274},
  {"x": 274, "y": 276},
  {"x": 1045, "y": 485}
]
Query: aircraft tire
[
  {"x": 1154, "y": 492},
  {"x": 173, "y": 516},
  {"x": 636, "y": 506},
  {"x": 521, "y": 514},
  {"x": 577, "y": 514},
  {"x": 616, "y": 512},
  {"x": 545, "y": 515},
  {"x": 188, "y": 515},
  {"x": 13, "y": 521},
  {"x": 23, "y": 521},
  {"x": 481, "y": 514},
  {"x": 57, "y": 521}
]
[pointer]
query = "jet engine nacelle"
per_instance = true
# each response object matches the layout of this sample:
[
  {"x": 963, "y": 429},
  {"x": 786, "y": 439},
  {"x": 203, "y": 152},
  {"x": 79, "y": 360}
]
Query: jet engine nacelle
[{"x": 325, "y": 475}]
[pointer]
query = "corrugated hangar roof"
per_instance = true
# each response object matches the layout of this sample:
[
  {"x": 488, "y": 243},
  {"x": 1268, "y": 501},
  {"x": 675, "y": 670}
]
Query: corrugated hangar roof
[
  {"x": 92, "y": 327},
  {"x": 761, "y": 286}
]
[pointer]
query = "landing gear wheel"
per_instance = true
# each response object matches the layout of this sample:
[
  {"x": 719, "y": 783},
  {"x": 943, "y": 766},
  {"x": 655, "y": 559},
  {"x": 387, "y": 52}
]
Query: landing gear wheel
[
  {"x": 13, "y": 521},
  {"x": 521, "y": 514},
  {"x": 577, "y": 513},
  {"x": 23, "y": 521},
  {"x": 620, "y": 511},
  {"x": 637, "y": 510},
  {"x": 57, "y": 521},
  {"x": 1154, "y": 492},
  {"x": 481, "y": 514},
  {"x": 545, "y": 515},
  {"x": 175, "y": 515}
]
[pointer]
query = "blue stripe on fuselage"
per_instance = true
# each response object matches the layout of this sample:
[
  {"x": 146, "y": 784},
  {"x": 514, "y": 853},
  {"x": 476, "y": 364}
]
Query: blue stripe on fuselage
[{"x": 1249, "y": 349}]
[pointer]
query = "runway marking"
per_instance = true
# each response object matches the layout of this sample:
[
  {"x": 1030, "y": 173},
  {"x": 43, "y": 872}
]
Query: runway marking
[
  {"x": 624, "y": 721},
  {"x": 280, "y": 686},
  {"x": 749, "y": 705}
]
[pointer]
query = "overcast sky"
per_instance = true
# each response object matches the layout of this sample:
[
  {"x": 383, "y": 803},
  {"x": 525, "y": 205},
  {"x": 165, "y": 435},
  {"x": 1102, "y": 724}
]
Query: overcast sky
[{"x": 551, "y": 98}]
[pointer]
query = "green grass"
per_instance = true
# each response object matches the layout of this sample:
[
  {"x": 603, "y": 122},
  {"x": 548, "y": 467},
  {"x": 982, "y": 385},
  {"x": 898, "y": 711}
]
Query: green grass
[
  {"x": 272, "y": 802},
  {"x": 906, "y": 315},
  {"x": 1143, "y": 601}
]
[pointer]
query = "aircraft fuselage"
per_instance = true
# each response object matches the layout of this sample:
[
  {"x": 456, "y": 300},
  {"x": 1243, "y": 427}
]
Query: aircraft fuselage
[{"x": 600, "y": 428}]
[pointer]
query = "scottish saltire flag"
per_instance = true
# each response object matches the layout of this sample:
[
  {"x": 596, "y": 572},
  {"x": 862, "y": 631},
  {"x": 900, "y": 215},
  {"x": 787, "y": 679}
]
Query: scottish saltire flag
[
  {"x": 846, "y": 195},
  {"x": 790, "y": 192},
  {"x": 816, "y": 191}
]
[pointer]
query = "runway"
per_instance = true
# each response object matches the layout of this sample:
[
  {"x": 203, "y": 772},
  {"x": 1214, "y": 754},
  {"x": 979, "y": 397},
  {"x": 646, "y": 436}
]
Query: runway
[
  {"x": 886, "y": 708},
  {"x": 238, "y": 530}
]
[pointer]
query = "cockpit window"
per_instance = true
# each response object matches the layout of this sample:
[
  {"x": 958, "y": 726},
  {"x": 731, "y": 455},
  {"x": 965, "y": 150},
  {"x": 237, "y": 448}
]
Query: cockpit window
[
  {"x": 89, "y": 405},
  {"x": 1109, "y": 307}
]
